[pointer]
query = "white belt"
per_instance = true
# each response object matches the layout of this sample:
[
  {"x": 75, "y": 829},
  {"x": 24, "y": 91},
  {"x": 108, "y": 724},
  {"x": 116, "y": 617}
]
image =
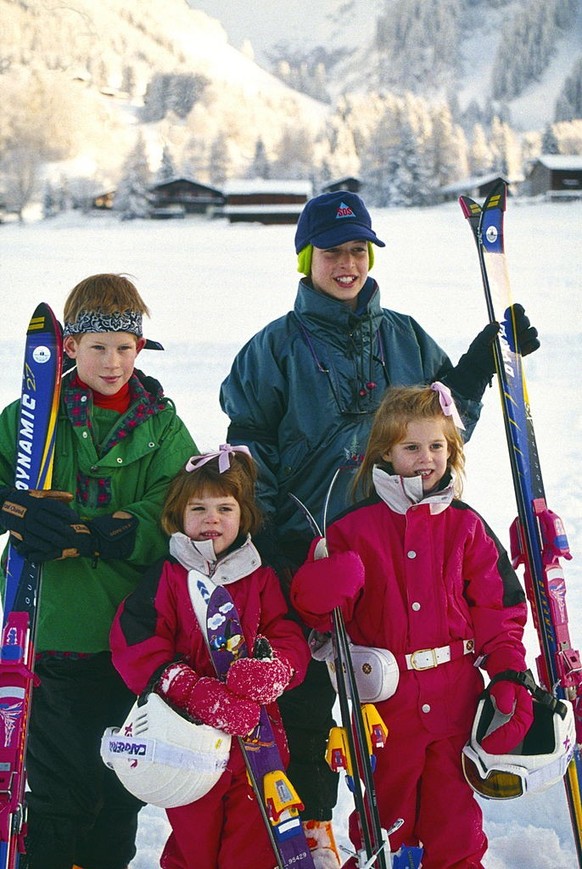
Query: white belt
[{"x": 427, "y": 659}]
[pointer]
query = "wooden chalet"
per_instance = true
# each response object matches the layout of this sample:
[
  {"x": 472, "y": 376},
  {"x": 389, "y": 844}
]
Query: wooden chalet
[
  {"x": 478, "y": 187},
  {"x": 350, "y": 183},
  {"x": 556, "y": 176},
  {"x": 181, "y": 196},
  {"x": 267, "y": 201}
]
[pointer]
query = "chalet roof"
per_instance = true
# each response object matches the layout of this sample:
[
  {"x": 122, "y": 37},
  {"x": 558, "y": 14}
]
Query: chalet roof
[
  {"x": 468, "y": 184},
  {"x": 561, "y": 161},
  {"x": 266, "y": 185},
  {"x": 182, "y": 178},
  {"x": 341, "y": 180}
]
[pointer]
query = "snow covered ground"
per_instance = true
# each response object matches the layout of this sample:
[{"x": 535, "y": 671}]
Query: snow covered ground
[{"x": 211, "y": 285}]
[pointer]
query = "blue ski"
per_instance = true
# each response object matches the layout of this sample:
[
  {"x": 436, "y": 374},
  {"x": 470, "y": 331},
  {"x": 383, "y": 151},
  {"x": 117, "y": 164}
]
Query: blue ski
[
  {"x": 537, "y": 536},
  {"x": 39, "y": 403}
]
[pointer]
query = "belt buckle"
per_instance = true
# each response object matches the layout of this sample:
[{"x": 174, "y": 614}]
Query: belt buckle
[{"x": 430, "y": 666}]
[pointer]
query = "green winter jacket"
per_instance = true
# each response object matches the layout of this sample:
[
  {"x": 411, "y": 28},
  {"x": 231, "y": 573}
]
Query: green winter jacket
[
  {"x": 302, "y": 394},
  {"x": 136, "y": 456}
]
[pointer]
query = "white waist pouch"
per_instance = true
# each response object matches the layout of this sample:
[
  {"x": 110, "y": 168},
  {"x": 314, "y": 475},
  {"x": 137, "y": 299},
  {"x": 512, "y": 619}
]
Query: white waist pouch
[{"x": 375, "y": 669}]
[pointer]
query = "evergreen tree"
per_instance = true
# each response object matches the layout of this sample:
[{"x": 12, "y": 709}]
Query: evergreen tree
[
  {"x": 549, "y": 141},
  {"x": 527, "y": 44},
  {"x": 569, "y": 103},
  {"x": 339, "y": 148},
  {"x": 380, "y": 161},
  {"x": 260, "y": 167},
  {"x": 480, "y": 156},
  {"x": 49, "y": 204},
  {"x": 410, "y": 184},
  {"x": 219, "y": 161},
  {"x": 132, "y": 198},
  {"x": 295, "y": 156},
  {"x": 166, "y": 171},
  {"x": 449, "y": 148},
  {"x": 196, "y": 159},
  {"x": 176, "y": 92},
  {"x": 506, "y": 150}
]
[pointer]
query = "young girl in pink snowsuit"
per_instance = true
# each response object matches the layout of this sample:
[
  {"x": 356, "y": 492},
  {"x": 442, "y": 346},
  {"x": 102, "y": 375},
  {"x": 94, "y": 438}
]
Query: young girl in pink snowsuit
[
  {"x": 417, "y": 571},
  {"x": 157, "y": 643}
]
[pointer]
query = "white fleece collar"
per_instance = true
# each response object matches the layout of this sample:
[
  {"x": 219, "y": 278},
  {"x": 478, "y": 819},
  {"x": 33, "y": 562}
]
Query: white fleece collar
[
  {"x": 199, "y": 555},
  {"x": 402, "y": 493}
]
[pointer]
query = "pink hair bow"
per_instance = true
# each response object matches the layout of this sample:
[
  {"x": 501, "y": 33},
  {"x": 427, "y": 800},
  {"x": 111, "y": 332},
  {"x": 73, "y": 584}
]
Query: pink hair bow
[
  {"x": 225, "y": 451},
  {"x": 448, "y": 406}
]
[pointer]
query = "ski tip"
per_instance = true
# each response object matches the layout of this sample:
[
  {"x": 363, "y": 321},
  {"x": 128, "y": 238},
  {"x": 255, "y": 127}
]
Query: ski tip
[
  {"x": 469, "y": 207},
  {"x": 43, "y": 320},
  {"x": 497, "y": 197}
]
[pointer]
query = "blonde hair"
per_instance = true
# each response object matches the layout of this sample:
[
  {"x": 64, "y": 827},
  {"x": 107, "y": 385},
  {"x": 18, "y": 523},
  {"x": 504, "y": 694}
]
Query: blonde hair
[
  {"x": 106, "y": 293},
  {"x": 400, "y": 406},
  {"x": 238, "y": 481}
]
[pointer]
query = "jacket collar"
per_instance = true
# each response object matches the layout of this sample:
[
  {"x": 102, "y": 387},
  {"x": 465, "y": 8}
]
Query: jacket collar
[
  {"x": 319, "y": 309},
  {"x": 199, "y": 555},
  {"x": 402, "y": 493}
]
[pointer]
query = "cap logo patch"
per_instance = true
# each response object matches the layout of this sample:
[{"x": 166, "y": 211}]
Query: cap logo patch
[{"x": 344, "y": 211}]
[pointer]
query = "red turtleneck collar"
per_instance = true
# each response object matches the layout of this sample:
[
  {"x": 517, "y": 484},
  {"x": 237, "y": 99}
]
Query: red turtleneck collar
[{"x": 118, "y": 402}]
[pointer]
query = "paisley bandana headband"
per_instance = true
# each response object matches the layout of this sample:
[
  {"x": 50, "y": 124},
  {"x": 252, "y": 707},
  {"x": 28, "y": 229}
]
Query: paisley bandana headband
[
  {"x": 225, "y": 451},
  {"x": 446, "y": 401},
  {"x": 97, "y": 321}
]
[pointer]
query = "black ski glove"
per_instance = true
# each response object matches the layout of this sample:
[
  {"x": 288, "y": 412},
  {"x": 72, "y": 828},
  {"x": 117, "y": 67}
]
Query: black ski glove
[
  {"x": 37, "y": 512},
  {"x": 526, "y": 334},
  {"x": 45, "y": 529},
  {"x": 477, "y": 366}
]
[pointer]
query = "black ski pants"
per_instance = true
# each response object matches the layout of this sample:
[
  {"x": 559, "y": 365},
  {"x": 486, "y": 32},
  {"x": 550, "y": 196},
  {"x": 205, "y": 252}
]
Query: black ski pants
[
  {"x": 78, "y": 811},
  {"x": 307, "y": 718},
  {"x": 307, "y": 711}
]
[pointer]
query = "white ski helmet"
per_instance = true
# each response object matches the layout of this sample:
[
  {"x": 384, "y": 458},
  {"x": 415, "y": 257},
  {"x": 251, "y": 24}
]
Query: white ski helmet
[
  {"x": 162, "y": 758},
  {"x": 541, "y": 759}
]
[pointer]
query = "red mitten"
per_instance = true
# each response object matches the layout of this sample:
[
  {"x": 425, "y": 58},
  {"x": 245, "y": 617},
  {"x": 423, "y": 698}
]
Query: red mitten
[
  {"x": 513, "y": 718},
  {"x": 259, "y": 679},
  {"x": 208, "y": 700},
  {"x": 320, "y": 586}
]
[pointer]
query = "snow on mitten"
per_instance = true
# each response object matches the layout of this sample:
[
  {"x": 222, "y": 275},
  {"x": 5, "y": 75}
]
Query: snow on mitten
[
  {"x": 259, "y": 679},
  {"x": 320, "y": 586},
  {"x": 514, "y": 717},
  {"x": 207, "y": 700}
]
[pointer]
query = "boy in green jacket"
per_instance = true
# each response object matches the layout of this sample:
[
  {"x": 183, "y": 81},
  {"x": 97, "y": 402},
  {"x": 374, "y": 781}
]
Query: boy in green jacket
[{"x": 119, "y": 443}]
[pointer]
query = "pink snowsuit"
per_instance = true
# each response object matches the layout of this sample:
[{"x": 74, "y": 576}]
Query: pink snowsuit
[
  {"x": 435, "y": 576},
  {"x": 156, "y": 625}
]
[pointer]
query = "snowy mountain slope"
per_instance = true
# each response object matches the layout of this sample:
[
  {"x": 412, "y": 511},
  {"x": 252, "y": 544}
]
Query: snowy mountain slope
[
  {"x": 535, "y": 106},
  {"x": 303, "y": 23},
  {"x": 96, "y": 40},
  {"x": 528, "y": 111},
  {"x": 129, "y": 66},
  {"x": 457, "y": 56},
  {"x": 460, "y": 47}
]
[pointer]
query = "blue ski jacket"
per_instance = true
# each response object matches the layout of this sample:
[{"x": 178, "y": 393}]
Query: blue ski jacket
[{"x": 303, "y": 391}]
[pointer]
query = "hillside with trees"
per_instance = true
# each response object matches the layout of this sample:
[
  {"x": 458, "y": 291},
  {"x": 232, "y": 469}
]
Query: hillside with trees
[{"x": 90, "y": 89}]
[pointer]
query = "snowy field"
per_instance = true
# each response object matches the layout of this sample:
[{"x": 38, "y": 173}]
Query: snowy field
[{"x": 211, "y": 286}]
